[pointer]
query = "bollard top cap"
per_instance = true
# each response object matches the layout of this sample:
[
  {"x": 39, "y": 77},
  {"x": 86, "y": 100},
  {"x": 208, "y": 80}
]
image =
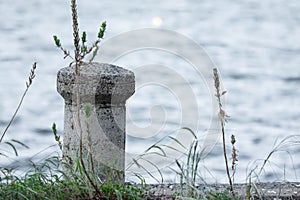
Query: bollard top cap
[{"x": 100, "y": 82}]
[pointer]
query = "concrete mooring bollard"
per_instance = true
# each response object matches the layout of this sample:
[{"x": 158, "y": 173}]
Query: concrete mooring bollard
[{"x": 103, "y": 90}]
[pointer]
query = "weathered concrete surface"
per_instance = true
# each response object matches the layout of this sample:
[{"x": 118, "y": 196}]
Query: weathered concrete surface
[{"x": 104, "y": 89}]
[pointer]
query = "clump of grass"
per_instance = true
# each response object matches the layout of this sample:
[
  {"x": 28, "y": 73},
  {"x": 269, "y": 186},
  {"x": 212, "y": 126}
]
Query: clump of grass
[
  {"x": 188, "y": 170},
  {"x": 48, "y": 181},
  {"x": 281, "y": 146},
  {"x": 257, "y": 167},
  {"x": 165, "y": 151}
]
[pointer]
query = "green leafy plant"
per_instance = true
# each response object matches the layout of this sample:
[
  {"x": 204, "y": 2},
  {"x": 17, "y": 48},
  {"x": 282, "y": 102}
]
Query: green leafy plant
[
  {"x": 56, "y": 137},
  {"x": 80, "y": 52},
  {"x": 81, "y": 48}
]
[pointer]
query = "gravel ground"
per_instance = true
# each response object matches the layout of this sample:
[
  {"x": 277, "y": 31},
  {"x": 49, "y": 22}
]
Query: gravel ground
[{"x": 274, "y": 191}]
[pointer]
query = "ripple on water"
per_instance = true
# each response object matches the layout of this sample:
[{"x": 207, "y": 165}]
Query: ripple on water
[
  {"x": 43, "y": 131},
  {"x": 293, "y": 79}
]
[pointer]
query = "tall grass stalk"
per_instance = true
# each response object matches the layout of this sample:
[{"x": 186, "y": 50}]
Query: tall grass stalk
[
  {"x": 222, "y": 117},
  {"x": 28, "y": 84}
]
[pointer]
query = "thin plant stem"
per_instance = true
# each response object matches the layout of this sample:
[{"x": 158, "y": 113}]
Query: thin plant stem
[
  {"x": 77, "y": 77},
  {"x": 222, "y": 116},
  {"x": 81, "y": 136},
  {"x": 91, "y": 160},
  {"x": 28, "y": 84},
  {"x": 226, "y": 160}
]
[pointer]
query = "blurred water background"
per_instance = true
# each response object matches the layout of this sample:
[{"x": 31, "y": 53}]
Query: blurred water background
[{"x": 255, "y": 45}]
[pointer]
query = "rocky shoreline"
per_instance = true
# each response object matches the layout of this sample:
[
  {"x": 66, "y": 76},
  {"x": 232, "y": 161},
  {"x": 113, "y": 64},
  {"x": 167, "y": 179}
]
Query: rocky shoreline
[{"x": 274, "y": 191}]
